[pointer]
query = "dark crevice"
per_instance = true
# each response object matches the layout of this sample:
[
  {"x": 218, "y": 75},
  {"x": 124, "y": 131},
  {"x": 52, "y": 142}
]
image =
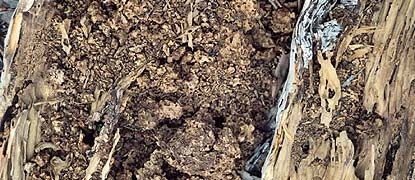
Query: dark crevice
[
  {"x": 161, "y": 61},
  {"x": 411, "y": 168},
  {"x": 188, "y": 49},
  {"x": 331, "y": 93},
  {"x": 171, "y": 124},
  {"x": 9, "y": 114},
  {"x": 356, "y": 160},
  {"x": 390, "y": 155},
  {"x": 219, "y": 121},
  {"x": 392, "y": 77},
  {"x": 5, "y": 143},
  {"x": 172, "y": 173},
  {"x": 210, "y": 150},
  {"x": 89, "y": 137},
  {"x": 108, "y": 8},
  {"x": 133, "y": 177},
  {"x": 305, "y": 147}
]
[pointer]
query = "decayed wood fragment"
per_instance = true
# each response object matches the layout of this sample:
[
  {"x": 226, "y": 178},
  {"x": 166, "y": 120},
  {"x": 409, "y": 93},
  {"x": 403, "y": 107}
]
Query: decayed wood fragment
[
  {"x": 279, "y": 164},
  {"x": 24, "y": 131},
  {"x": 390, "y": 89},
  {"x": 389, "y": 93},
  {"x": 111, "y": 104}
]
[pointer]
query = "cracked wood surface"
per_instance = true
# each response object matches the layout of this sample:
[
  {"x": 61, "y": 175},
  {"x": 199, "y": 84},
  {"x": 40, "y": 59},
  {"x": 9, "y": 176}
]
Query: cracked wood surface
[
  {"x": 388, "y": 94},
  {"x": 390, "y": 89}
]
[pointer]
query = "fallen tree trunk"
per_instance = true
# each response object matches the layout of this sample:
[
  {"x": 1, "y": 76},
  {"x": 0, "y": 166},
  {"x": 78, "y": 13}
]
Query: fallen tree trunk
[{"x": 344, "y": 124}]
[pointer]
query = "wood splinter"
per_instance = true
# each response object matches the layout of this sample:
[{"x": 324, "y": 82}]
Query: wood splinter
[{"x": 279, "y": 76}]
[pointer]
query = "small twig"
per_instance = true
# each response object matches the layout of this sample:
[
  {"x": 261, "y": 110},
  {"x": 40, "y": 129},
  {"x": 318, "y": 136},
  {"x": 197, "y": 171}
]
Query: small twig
[{"x": 275, "y": 3}]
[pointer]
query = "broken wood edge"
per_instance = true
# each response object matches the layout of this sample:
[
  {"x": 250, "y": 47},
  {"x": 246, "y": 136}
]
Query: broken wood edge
[
  {"x": 290, "y": 101},
  {"x": 11, "y": 43},
  {"x": 109, "y": 103},
  {"x": 10, "y": 48},
  {"x": 24, "y": 133}
]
